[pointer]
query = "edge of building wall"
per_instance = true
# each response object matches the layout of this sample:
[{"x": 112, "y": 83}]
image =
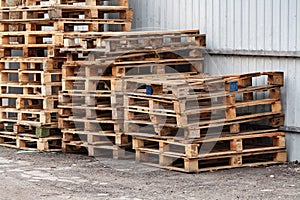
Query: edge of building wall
[
  {"x": 292, "y": 142},
  {"x": 228, "y": 52}
]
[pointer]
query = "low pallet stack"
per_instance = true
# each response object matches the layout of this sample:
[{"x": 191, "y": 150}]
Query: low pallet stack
[
  {"x": 206, "y": 123},
  {"x": 92, "y": 97},
  {"x": 32, "y": 33}
]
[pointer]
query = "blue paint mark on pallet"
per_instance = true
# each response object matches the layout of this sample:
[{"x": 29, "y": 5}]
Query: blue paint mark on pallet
[
  {"x": 149, "y": 90},
  {"x": 234, "y": 86}
]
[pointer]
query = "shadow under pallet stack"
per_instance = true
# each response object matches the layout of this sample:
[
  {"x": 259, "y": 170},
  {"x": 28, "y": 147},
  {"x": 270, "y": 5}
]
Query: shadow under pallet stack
[
  {"x": 31, "y": 63},
  {"x": 205, "y": 123},
  {"x": 91, "y": 101}
]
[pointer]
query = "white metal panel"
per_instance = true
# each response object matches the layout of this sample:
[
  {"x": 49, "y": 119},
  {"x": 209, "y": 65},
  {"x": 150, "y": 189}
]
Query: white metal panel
[
  {"x": 284, "y": 21},
  {"x": 298, "y": 27},
  {"x": 243, "y": 64},
  {"x": 292, "y": 25},
  {"x": 245, "y": 24},
  {"x": 276, "y": 25},
  {"x": 229, "y": 24}
]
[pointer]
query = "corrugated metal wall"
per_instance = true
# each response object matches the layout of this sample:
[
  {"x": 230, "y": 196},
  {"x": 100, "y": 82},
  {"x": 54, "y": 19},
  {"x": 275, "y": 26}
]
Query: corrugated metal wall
[
  {"x": 271, "y": 25},
  {"x": 229, "y": 24},
  {"x": 217, "y": 65}
]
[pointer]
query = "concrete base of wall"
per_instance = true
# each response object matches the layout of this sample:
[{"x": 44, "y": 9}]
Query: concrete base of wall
[{"x": 293, "y": 146}]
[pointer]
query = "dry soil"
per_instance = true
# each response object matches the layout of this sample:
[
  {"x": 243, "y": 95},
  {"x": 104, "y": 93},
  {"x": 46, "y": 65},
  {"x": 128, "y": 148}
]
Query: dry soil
[{"x": 35, "y": 175}]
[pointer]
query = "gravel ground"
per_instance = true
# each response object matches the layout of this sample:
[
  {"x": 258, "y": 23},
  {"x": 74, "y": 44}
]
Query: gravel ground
[{"x": 34, "y": 175}]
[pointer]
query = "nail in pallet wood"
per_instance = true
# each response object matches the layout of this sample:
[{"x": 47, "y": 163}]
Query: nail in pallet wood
[{"x": 244, "y": 149}]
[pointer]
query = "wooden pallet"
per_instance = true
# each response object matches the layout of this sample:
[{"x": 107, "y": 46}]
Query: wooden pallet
[
  {"x": 21, "y": 138},
  {"x": 36, "y": 131},
  {"x": 50, "y": 90},
  {"x": 120, "y": 43},
  {"x": 32, "y": 50},
  {"x": 102, "y": 97},
  {"x": 65, "y": 12},
  {"x": 100, "y": 112},
  {"x": 138, "y": 68},
  {"x": 29, "y": 102},
  {"x": 203, "y": 86},
  {"x": 62, "y": 25},
  {"x": 104, "y": 143},
  {"x": 212, "y": 153},
  {"x": 31, "y": 77},
  {"x": 33, "y": 117},
  {"x": 31, "y": 38},
  {"x": 91, "y": 84},
  {"x": 195, "y": 102},
  {"x": 115, "y": 151},
  {"x": 48, "y": 65},
  {"x": 90, "y": 125},
  {"x": 8, "y": 139},
  {"x": 220, "y": 127},
  {"x": 47, "y": 144},
  {"x": 65, "y": 2},
  {"x": 203, "y": 115},
  {"x": 97, "y": 138},
  {"x": 220, "y": 163}
]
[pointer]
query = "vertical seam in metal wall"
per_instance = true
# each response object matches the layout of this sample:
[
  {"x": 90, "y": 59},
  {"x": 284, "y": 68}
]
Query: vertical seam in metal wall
[
  {"x": 226, "y": 16},
  {"x": 234, "y": 21},
  {"x": 256, "y": 24},
  {"x": 220, "y": 21},
  {"x": 212, "y": 23},
  {"x": 296, "y": 39},
  {"x": 249, "y": 19},
  {"x": 241, "y": 25},
  {"x": 272, "y": 24},
  {"x": 193, "y": 12},
  {"x": 280, "y": 23},
  {"x": 264, "y": 25},
  {"x": 206, "y": 16},
  {"x": 288, "y": 31}
]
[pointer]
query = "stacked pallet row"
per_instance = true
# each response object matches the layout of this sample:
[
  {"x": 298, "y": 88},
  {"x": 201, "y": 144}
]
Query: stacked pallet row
[
  {"x": 31, "y": 63},
  {"x": 92, "y": 97},
  {"x": 206, "y": 123}
]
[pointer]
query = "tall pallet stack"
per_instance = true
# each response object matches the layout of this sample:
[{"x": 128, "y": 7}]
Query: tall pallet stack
[
  {"x": 206, "y": 123},
  {"x": 92, "y": 97},
  {"x": 32, "y": 33}
]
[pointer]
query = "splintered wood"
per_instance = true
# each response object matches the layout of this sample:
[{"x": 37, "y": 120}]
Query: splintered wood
[{"x": 31, "y": 35}]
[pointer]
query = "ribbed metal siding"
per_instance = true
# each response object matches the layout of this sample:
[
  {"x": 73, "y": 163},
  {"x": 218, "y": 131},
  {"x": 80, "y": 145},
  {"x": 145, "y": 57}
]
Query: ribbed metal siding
[
  {"x": 229, "y": 24},
  {"x": 217, "y": 65}
]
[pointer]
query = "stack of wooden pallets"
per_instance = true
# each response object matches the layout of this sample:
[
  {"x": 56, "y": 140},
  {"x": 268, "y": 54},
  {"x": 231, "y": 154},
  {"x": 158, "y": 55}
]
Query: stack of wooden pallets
[
  {"x": 201, "y": 123},
  {"x": 32, "y": 33},
  {"x": 92, "y": 97}
]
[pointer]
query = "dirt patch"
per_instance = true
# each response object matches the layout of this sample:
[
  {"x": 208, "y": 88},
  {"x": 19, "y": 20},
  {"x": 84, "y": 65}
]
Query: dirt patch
[{"x": 65, "y": 176}]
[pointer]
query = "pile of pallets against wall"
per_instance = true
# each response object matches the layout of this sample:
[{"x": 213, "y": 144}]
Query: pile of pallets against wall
[
  {"x": 32, "y": 33},
  {"x": 73, "y": 79},
  {"x": 206, "y": 123},
  {"x": 92, "y": 97}
]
